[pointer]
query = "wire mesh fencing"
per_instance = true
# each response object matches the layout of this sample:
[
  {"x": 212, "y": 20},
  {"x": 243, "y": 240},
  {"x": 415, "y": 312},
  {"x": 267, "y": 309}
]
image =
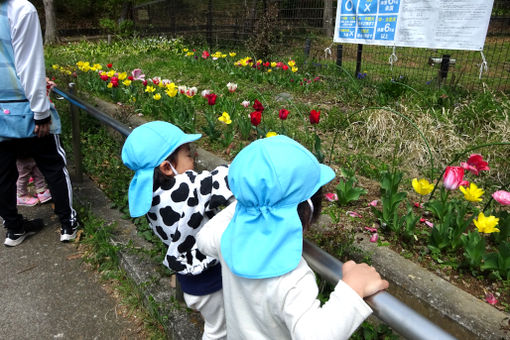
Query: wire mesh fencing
[{"x": 310, "y": 23}]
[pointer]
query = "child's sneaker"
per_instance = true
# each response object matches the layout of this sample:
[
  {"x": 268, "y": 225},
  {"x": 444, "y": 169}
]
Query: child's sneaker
[
  {"x": 27, "y": 201},
  {"x": 44, "y": 196}
]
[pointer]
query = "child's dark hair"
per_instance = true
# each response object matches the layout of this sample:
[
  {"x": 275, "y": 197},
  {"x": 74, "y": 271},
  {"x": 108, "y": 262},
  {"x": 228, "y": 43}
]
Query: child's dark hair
[
  {"x": 160, "y": 178},
  {"x": 305, "y": 213}
]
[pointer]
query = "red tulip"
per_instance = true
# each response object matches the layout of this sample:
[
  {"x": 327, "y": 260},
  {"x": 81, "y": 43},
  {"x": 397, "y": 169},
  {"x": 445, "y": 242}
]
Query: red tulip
[
  {"x": 256, "y": 117},
  {"x": 144, "y": 82},
  {"x": 314, "y": 117},
  {"x": 104, "y": 77},
  {"x": 258, "y": 106},
  {"x": 131, "y": 78},
  {"x": 475, "y": 164},
  {"x": 211, "y": 98},
  {"x": 205, "y": 54},
  {"x": 109, "y": 65},
  {"x": 285, "y": 67},
  {"x": 283, "y": 114},
  {"x": 453, "y": 176}
]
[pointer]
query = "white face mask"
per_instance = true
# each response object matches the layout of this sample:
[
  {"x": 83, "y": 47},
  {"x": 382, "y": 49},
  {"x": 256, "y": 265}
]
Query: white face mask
[{"x": 311, "y": 208}]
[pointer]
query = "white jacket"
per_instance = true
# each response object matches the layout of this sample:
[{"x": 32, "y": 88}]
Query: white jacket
[{"x": 284, "y": 307}]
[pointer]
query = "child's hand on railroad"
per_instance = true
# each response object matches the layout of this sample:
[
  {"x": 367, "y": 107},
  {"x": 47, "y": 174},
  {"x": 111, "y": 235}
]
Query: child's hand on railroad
[{"x": 364, "y": 279}]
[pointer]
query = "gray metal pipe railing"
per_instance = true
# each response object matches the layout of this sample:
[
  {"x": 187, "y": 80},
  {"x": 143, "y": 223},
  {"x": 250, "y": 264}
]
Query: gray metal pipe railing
[{"x": 386, "y": 307}]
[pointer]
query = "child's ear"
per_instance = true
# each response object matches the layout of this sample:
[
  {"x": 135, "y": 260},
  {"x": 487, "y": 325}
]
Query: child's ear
[{"x": 166, "y": 168}]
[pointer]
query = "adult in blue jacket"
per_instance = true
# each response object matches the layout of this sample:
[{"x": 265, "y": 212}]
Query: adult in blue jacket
[{"x": 28, "y": 122}]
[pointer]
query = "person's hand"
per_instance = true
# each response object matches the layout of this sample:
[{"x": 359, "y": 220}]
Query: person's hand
[
  {"x": 42, "y": 130},
  {"x": 364, "y": 279},
  {"x": 49, "y": 85}
]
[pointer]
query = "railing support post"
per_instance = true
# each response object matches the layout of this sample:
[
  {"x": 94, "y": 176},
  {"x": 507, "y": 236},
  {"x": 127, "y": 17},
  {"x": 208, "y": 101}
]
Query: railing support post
[{"x": 75, "y": 123}]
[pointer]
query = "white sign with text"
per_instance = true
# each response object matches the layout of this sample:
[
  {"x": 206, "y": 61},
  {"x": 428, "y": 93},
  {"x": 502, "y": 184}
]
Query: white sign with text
[{"x": 445, "y": 24}]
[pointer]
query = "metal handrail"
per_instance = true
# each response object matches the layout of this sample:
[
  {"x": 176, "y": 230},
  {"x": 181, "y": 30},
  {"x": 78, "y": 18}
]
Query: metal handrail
[{"x": 386, "y": 307}]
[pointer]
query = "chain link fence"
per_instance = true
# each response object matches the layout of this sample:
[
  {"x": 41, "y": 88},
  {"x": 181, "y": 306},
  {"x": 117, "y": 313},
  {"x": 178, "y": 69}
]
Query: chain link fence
[{"x": 310, "y": 24}]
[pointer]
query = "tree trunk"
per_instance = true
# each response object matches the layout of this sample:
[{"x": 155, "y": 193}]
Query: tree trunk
[
  {"x": 50, "y": 34},
  {"x": 327, "y": 18}
]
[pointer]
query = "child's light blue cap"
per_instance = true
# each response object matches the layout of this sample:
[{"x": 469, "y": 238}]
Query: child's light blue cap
[
  {"x": 269, "y": 178},
  {"x": 145, "y": 149}
]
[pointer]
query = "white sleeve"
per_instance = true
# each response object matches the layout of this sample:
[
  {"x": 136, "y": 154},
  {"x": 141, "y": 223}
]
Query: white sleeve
[
  {"x": 338, "y": 318},
  {"x": 209, "y": 236},
  {"x": 29, "y": 59}
]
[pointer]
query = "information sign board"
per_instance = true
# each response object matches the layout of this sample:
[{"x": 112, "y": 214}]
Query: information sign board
[{"x": 441, "y": 24}]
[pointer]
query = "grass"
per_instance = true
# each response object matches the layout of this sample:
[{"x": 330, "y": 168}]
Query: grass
[{"x": 367, "y": 125}]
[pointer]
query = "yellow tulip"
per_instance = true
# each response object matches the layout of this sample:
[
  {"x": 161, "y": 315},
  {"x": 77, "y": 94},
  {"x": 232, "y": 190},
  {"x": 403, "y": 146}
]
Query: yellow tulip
[
  {"x": 157, "y": 96},
  {"x": 127, "y": 82},
  {"x": 171, "y": 92},
  {"x": 150, "y": 89},
  {"x": 485, "y": 224},
  {"x": 225, "y": 118},
  {"x": 422, "y": 186},
  {"x": 472, "y": 193},
  {"x": 271, "y": 134}
]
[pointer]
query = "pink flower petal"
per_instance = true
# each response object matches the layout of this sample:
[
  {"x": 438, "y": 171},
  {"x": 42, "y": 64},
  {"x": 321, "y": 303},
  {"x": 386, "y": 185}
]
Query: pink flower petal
[
  {"x": 330, "y": 196},
  {"x": 502, "y": 197},
  {"x": 373, "y": 203},
  {"x": 418, "y": 205},
  {"x": 422, "y": 220},
  {"x": 7, "y": 111},
  {"x": 374, "y": 238},
  {"x": 430, "y": 224},
  {"x": 491, "y": 299},
  {"x": 372, "y": 230},
  {"x": 353, "y": 214},
  {"x": 464, "y": 184}
]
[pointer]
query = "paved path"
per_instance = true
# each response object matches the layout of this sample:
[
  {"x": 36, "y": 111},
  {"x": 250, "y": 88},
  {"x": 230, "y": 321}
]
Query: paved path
[{"x": 47, "y": 293}]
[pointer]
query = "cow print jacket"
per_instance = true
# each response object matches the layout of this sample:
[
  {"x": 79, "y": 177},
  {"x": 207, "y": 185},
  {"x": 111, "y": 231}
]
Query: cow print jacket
[{"x": 180, "y": 207}]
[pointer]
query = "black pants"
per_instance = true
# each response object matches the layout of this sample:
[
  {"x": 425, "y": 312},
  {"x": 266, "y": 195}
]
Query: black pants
[{"x": 51, "y": 160}]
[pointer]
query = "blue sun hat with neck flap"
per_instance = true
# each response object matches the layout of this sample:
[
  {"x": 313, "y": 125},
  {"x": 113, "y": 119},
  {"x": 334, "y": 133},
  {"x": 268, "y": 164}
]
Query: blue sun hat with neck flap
[
  {"x": 269, "y": 178},
  {"x": 145, "y": 149}
]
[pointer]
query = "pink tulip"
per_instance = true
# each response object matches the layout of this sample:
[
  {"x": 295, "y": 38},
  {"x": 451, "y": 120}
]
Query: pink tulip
[
  {"x": 502, "y": 197},
  {"x": 453, "y": 177},
  {"x": 137, "y": 74}
]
